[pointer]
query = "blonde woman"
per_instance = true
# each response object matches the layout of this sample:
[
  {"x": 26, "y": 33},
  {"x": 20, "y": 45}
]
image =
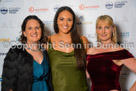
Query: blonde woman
[{"x": 105, "y": 61}]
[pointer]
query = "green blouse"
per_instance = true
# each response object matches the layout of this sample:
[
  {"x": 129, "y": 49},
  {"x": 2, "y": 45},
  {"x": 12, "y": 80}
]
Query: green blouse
[{"x": 65, "y": 75}]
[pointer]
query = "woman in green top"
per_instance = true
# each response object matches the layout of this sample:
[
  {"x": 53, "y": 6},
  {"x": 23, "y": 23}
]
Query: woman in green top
[{"x": 67, "y": 53}]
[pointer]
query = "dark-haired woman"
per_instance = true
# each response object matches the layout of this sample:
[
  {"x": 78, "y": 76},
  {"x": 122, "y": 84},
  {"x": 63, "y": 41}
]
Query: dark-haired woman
[
  {"x": 26, "y": 66},
  {"x": 67, "y": 53}
]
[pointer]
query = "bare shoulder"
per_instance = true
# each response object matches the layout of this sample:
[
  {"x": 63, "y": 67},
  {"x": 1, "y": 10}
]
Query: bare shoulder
[
  {"x": 50, "y": 40},
  {"x": 91, "y": 50},
  {"x": 52, "y": 37},
  {"x": 119, "y": 48},
  {"x": 85, "y": 40}
]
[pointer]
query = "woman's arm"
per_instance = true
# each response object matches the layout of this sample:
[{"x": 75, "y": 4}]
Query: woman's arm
[
  {"x": 130, "y": 63},
  {"x": 88, "y": 78},
  {"x": 133, "y": 88},
  {"x": 9, "y": 74},
  {"x": 85, "y": 42}
]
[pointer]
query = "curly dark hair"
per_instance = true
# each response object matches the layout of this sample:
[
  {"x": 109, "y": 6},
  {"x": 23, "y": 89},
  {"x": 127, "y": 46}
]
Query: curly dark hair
[{"x": 23, "y": 39}]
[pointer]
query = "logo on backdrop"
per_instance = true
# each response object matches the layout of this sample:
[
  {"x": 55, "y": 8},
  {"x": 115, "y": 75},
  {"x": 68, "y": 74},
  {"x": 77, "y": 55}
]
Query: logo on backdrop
[
  {"x": 56, "y": 7},
  {"x": 12, "y": 10},
  {"x": 38, "y": 10},
  {"x": 48, "y": 23},
  {"x": 31, "y": 9},
  {"x": 81, "y": 20},
  {"x": 4, "y": 39},
  {"x": 121, "y": 20},
  {"x": 109, "y": 5},
  {"x": 90, "y": 7},
  {"x": 3, "y": 54},
  {"x": 81, "y": 7},
  {"x": 4, "y": 10},
  {"x": 124, "y": 34},
  {"x": 119, "y": 4}
]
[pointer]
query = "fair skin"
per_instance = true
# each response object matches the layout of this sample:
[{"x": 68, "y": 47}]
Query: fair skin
[
  {"x": 33, "y": 34},
  {"x": 65, "y": 22},
  {"x": 104, "y": 32},
  {"x": 63, "y": 37},
  {"x": 133, "y": 88}
]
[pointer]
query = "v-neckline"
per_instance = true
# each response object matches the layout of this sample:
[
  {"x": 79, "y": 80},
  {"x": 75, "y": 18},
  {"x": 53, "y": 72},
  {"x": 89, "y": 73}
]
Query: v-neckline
[{"x": 41, "y": 62}]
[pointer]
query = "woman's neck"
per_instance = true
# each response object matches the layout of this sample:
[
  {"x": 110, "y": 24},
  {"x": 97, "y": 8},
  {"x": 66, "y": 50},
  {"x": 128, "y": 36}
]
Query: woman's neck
[
  {"x": 33, "y": 46},
  {"x": 106, "y": 45},
  {"x": 64, "y": 37}
]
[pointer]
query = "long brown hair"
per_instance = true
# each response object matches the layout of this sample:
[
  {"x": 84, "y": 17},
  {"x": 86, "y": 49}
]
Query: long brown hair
[{"x": 79, "y": 52}]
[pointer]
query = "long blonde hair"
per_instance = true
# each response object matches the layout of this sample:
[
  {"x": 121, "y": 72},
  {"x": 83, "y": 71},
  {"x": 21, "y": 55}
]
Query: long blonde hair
[{"x": 109, "y": 20}]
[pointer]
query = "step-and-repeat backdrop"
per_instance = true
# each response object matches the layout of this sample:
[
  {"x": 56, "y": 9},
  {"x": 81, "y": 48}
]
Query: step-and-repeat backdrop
[{"x": 13, "y": 12}]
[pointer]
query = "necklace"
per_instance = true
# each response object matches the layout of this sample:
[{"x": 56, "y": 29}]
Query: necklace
[
  {"x": 33, "y": 49},
  {"x": 30, "y": 48}
]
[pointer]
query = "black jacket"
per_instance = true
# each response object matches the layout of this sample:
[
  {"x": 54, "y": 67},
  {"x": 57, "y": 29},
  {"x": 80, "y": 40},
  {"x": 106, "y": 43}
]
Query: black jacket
[{"x": 18, "y": 70}]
